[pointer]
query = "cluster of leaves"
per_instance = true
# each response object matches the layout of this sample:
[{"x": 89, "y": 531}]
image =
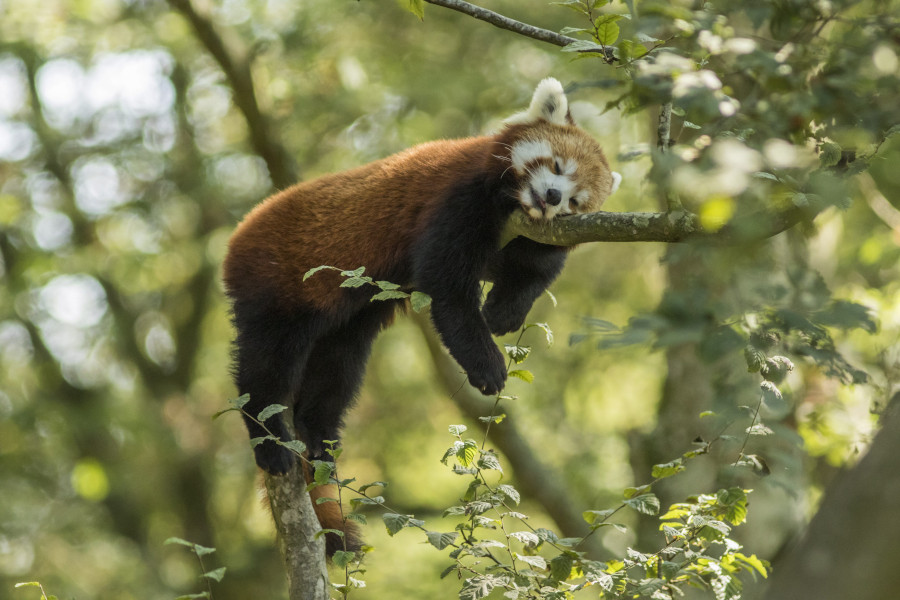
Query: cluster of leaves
[
  {"x": 388, "y": 290},
  {"x": 494, "y": 547},
  {"x": 210, "y": 576}
]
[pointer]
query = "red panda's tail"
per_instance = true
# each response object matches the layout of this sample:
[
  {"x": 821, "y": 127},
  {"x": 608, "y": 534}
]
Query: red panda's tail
[{"x": 330, "y": 517}]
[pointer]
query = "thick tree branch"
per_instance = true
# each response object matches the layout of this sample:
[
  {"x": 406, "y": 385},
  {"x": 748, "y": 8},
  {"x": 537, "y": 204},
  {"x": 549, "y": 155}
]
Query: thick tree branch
[
  {"x": 649, "y": 227},
  {"x": 235, "y": 64},
  {"x": 497, "y": 20}
]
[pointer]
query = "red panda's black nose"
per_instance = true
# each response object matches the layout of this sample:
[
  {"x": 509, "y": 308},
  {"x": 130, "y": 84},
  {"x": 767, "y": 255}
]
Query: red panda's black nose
[{"x": 554, "y": 196}]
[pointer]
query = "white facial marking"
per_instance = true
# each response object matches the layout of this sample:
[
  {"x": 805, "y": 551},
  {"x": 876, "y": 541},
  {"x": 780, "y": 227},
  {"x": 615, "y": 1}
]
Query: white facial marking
[
  {"x": 541, "y": 180},
  {"x": 527, "y": 151},
  {"x": 617, "y": 179}
]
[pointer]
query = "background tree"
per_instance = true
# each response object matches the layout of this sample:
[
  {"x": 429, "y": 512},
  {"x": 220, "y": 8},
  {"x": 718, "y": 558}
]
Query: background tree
[{"x": 133, "y": 136}]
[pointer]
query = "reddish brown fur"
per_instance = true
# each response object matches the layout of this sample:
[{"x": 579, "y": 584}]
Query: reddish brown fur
[{"x": 368, "y": 216}]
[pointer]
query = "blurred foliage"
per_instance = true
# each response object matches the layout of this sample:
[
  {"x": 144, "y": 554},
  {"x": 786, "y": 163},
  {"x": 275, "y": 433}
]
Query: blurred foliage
[{"x": 125, "y": 162}]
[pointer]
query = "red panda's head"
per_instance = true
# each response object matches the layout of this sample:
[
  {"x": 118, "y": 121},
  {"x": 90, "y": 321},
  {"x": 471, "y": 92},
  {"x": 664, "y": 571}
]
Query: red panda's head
[{"x": 560, "y": 169}]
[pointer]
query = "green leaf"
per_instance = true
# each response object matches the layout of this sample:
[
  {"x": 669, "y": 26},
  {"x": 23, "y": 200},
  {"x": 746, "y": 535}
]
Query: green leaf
[
  {"x": 373, "y": 501},
  {"x": 457, "y": 430},
  {"x": 465, "y": 453},
  {"x": 528, "y": 538},
  {"x": 663, "y": 470},
  {"x": 216, "y": 574},
  {"x": 510, "y": 492},
  {"x": 594, "y": 516},
  {"x": 323, "y": 471},
  {"x": 829, "y": 154},
  {"x": 561, "y": 567},
  {"x": 315, "y": 270},
  {"x": 365, "y": 486},
  {"x": 548, "y": 333},
  {"x": 538, "y": 562},
  {"x": 575, "y": 5},
  {"x": 193, "y": 596},
  {"x": 240, "y": 401},
  {"x": 272, "y": 409},
  {"x": 419, "y": 301},
  {"x": 608, "y": 31},
  {"x": 441, "y": 540},
  {"x": 342, "y": 558},
  {"x": 295, "y": 446},
  {"x": 394, "y": 522},
  {"x": 355, "y": 282},
  {"x": 416, "y": 7},
  {"x": 523, "y": 374},
  {"x": 517, "y": 353},
  {"x": 631, "y": 492},
  {"x": 254, "y": 442},
  {"x": 760, "y": 566},
  {"x": 489, "y": 462},
  {"x": 389, "y": 295},
  {"x": 647, "y": 504},
  {"x": 172, "y": 540}
]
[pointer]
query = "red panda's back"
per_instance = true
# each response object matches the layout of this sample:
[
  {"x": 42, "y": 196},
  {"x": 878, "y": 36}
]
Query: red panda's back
[{"x": 368, "y": 216}]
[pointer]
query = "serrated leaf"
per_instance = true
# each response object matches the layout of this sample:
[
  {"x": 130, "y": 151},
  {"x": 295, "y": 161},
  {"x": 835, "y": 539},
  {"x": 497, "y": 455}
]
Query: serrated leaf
[
  {"x": 254, "y": 442},
  {"x": 389, "y": 295},
  {"x": 441, "y": 540},
  {"x": 510, "y": 492},
  {"x": 357, "y": 272},
  {"x": 647, "y": 504},
  {"x": 171, "y": 540},
  {"x": 342, "y": 558},
  {"x": 315, "y": 270},
  {"x": 548, "y": 333},
  {"x": 323, "y": 471},
  {"x": 416, "y": 7},
  {"x": 526, "y": 537},
  {"x": 295, "y": 446},
  {"x": 216, "y": 574},
  {"x": 829, "y": 154},
  {"x": 489, "y": 462},
  {"x": 759, "y": 429},
  {"x": 269, "y": 411},
  {"x": 663, "y": 470},
  {"x": 523, "y": 374},
  {"x": 538, "y": 562},
  {"x": 355, "y": 282},
  {"x": 419, "y": 301},
  {"x": 754, "y": 563},
  {"x": 517, "y": 353},
  {"x": 240, "y": 401},
  {"x": 367, "y": 501},
  {"x": 457, "y": 430},
  {"x": 608, "y": 32},
  {"x": 592, "y": 516},
  {"x": 631, "y": 492}
]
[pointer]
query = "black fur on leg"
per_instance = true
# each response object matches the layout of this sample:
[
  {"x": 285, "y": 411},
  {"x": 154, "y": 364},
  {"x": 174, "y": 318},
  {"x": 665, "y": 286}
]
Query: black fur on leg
[
  {"x": 333, "y": 375},
  {"x": 520, "y": 272},
  {"x": 271, "y": 352}
]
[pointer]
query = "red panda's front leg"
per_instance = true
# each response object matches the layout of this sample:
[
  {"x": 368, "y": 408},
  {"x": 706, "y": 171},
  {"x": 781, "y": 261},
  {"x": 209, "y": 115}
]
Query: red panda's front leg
[
  {"x": 466, "y": 335},
  {"x": 448, "y": 262}
]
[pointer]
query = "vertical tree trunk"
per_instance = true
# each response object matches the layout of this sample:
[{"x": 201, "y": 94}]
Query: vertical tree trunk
[{"x": 297, "y": 525}]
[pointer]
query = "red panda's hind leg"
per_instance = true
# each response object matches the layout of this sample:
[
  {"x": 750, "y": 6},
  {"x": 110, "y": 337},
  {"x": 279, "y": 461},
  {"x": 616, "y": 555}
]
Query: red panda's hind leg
[
  {"x": 333, "y": 376},
  {"x": 271, "y": 351}
]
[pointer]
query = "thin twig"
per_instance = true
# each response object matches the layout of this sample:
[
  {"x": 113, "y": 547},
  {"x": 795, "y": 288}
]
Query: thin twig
[{"x": 498, "y": 20}]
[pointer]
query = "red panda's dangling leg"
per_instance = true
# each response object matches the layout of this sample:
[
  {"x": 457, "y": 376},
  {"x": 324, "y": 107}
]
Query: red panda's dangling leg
[
  {"x": 333, "y": 375},
  {"x": 271, "y": 352},
  {"x": 520, "y": 272}
]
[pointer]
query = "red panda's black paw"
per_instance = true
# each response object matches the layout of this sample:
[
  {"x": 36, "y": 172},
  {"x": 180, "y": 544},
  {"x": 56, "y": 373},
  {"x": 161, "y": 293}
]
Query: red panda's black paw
[
  {"x": 490, "y": 379},
  {"x": 273, "y": 459}
]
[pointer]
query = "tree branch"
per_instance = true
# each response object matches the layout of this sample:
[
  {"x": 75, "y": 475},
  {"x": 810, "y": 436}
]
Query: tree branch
[
  {"x": 670, "y": 227},
  {"x": 236, "y": 66},
  {"x": 498, "y": 20}
]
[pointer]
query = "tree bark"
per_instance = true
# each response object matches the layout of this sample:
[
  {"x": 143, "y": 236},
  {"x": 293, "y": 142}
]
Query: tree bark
[{"x": 851, "y": 547}]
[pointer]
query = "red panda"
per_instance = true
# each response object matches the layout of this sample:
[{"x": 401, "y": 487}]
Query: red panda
[{"x": 429, "y": 219}]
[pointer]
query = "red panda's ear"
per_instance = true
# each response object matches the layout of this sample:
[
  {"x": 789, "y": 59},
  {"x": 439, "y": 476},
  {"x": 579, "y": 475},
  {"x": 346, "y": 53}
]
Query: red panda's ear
[{"x": 548, "y": 103}]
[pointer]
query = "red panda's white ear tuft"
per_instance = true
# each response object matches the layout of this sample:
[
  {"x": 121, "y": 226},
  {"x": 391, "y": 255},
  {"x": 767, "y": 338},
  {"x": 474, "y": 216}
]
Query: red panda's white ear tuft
[{"x": 548, "y": 103}]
